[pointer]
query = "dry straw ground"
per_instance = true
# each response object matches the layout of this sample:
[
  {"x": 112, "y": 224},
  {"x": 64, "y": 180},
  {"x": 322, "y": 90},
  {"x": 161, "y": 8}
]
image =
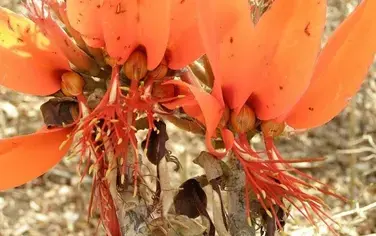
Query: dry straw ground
[{"x": 55, "y": 204}]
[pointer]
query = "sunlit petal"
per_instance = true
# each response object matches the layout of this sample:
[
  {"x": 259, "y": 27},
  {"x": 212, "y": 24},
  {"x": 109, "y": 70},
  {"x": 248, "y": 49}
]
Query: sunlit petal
[
  {"x": 216, "y": 18},
  {"x": 283, "y": 54},
  {"x": 85, "y": 17},
  {"x": 29, "y": 63},
  {"x": 211, "y": 109},
  {"x": 184, "y": 44},
  {"x": 341, "y": 68},
  {"x": 237, "y": 84},
  {"x": 129, "y": 24},
  {"x": 24, "y": 158}
]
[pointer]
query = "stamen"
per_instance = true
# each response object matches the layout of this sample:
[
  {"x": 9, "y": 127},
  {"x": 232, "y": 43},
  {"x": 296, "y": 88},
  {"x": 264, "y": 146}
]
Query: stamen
[{"x": 113, "y": 92}]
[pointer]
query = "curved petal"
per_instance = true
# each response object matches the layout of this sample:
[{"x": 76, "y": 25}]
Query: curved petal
[
  {"x": 94, "y": 42},
  {"x": 129, "y": 24},
  {"x": 341, "y": 68},
  {"x": 216, "y": 19},
  {"x": 235, "y": 48},
  {"x": 24, "y": 158},
  {"x": 29, "y": 63},
  {"x": 283, "y": 54},
  {"x": 85, "y": 17},
  {"x": 211, "y": 109},
  {"x": 208, "y": 21},
  {"x": 184, "y": 45},
  {"x": 195, "y": 112}
]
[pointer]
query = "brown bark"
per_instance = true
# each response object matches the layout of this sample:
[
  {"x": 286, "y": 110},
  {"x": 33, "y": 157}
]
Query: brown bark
[{"x": 238, "y": 224}]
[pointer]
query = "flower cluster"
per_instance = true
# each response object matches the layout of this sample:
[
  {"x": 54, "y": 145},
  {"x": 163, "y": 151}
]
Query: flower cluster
[{"x": 113, "y": 67}]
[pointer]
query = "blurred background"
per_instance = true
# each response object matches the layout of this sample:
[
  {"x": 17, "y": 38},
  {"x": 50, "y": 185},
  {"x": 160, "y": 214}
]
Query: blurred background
[{"x": 56, "y": 204}]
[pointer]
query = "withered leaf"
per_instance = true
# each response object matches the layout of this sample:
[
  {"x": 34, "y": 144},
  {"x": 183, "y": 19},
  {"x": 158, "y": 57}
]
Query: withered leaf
[
  {"x": 191, "y": 199},
  {"x": 182, "y": 225},
  {"x": 210, "y": 164},
  {"x": 214, "y": 172},
  {"x": 59, "y": 111},
  {"x": 218, "y": 208},
  {"x": 156, "y": 148},
  {"x": 173, "y": 225}
]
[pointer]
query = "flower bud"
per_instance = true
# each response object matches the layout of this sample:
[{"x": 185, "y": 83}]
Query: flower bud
[
  {"x": 271, "y": 128},
  {"x": 244, "y": 121},
  {"x": 135, "y": 68},
  {"x": 160, "y": 72},
  {"x": 72, "y": 84}
]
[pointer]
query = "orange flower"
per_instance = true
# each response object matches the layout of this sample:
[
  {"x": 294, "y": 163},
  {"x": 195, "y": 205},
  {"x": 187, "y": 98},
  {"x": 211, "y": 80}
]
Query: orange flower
[
  {"x": 145, "y": 38},
  {"x": 277, "y": 69},
  {"x": 30, "y": 63},
  {"x": 34, "y": 56},
  {"x": 163, "y": 28}
]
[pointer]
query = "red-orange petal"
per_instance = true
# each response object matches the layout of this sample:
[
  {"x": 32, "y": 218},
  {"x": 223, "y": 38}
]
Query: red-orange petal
[
  {"x": 85, "y": 17},
  {"x": 195, "y": 112},
  {"x": 237, "y": 84},
  {"x": 208, "y": 21},
  {"x": 184, "y": 45},
  {"x": 211, "y": 109},
  {"x": 29, "y": 62},
  {"x": 94, "y": 42},
  {"x": 283, "y": 54},
  {"x": 24, "y": 158},
  {"x": 341, "y": 68},
  {"x": 129, "y": 24},
  {"x": 216, "y": 18}
]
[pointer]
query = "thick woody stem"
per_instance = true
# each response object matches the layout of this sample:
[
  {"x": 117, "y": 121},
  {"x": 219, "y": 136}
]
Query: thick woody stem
[{"x": 238, "y": 224}]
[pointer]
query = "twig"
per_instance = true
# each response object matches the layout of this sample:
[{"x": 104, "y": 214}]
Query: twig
[{"x": 358, "y": 210}]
